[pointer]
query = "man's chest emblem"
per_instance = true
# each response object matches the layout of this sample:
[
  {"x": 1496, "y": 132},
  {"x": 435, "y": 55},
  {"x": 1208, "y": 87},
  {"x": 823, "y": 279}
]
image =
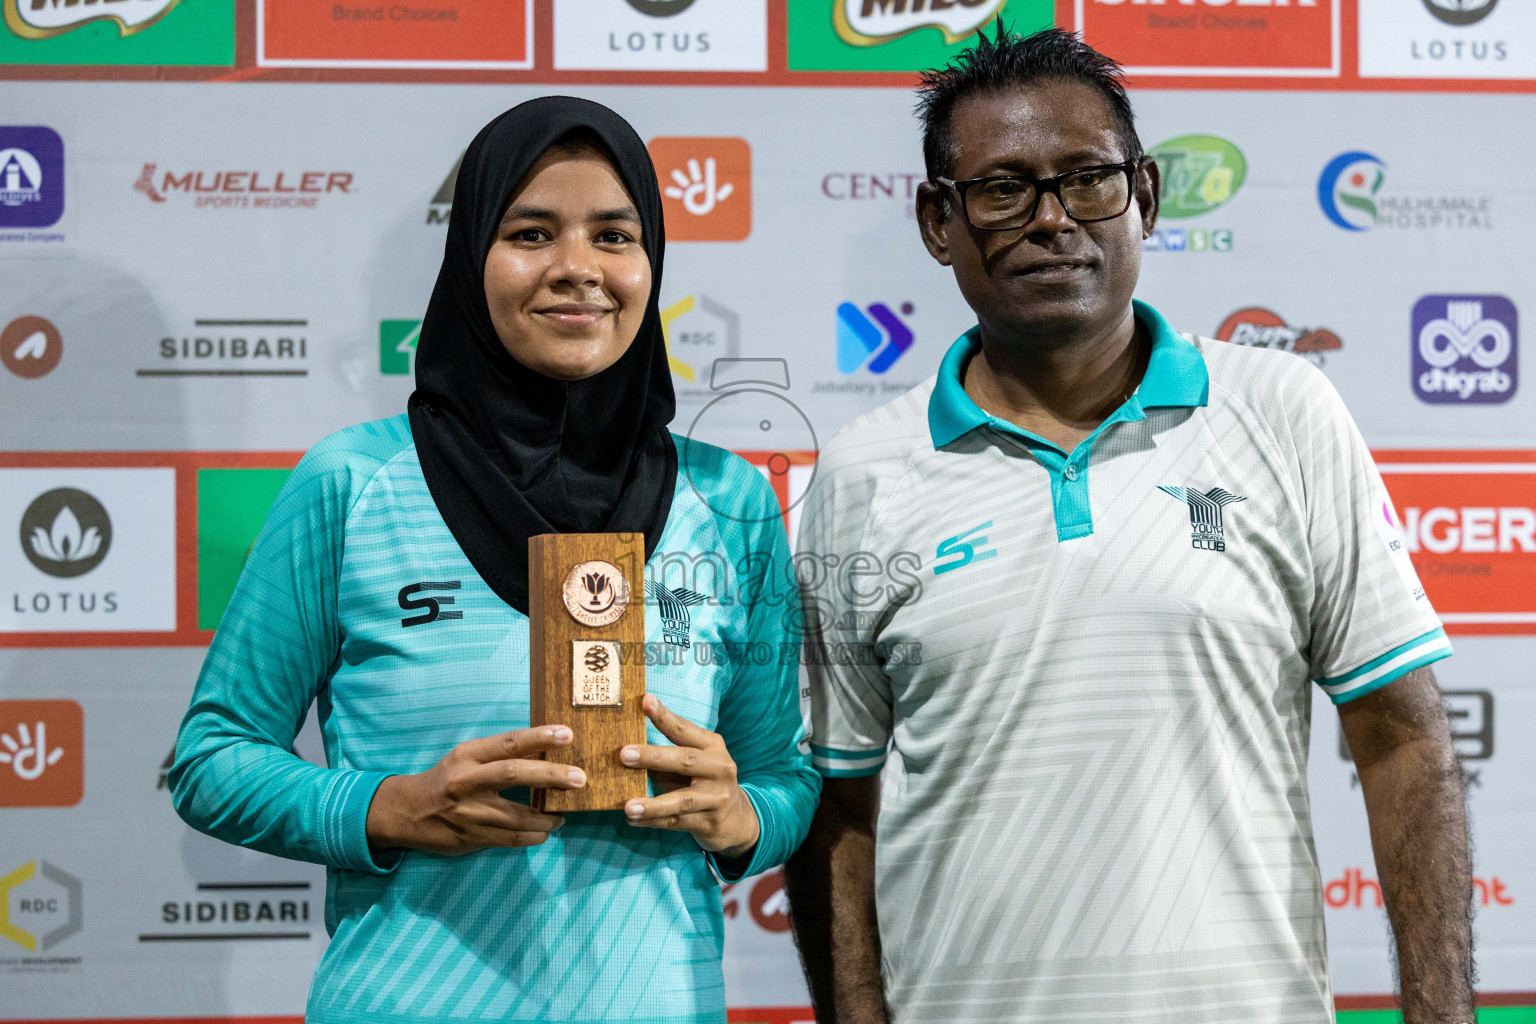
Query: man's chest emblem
[
  {"x": 1207, "y": 532},
  {"x": 674, "y": 605}
]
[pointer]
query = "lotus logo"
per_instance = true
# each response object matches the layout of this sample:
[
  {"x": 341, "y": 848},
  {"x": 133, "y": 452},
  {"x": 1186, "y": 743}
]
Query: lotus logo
[
  {"x": 43, "y": 19},
  {"x": 66, "y": 532},
  {"x": 1461, "y": 12}
]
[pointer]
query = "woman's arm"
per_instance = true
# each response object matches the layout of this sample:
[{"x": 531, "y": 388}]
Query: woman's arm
[{"x": 235, "y": 776}]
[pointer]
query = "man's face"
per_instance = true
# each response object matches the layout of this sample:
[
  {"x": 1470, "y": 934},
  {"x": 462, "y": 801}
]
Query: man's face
[{"x": 1052, "y": 276}]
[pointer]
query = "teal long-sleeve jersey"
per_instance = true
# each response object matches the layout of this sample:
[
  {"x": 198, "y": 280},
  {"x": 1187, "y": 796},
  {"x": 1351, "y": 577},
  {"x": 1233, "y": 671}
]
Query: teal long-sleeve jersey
[{"x": 357, "y": 599}]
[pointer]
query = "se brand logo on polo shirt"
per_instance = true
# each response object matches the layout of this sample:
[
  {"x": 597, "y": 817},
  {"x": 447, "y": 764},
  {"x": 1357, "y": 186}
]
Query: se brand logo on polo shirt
[
  {"x": 963, "y": 547},
  {"x": 1207, "y": 532}
]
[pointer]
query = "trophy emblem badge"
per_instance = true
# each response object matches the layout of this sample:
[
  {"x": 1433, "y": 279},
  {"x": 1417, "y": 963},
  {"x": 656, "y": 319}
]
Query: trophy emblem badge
[{"x": 595, "y": 593}]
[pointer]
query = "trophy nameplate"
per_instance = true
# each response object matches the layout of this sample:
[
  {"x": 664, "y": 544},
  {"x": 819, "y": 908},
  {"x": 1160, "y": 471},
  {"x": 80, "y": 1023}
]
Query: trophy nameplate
[{"x": 586, "y": 660}]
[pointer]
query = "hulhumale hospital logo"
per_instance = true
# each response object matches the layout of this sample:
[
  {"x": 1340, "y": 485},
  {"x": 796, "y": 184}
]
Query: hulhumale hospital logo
[
  {"x": 1465, "y": 349},
  {"x": 1461, "y": 12},
  {"x": 66, "y": 532},
  {"x": 1353, "y": 194},
  {"x": 1348, "y": 187}
]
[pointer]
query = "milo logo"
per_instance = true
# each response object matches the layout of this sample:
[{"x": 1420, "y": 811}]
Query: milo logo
[{"x": 1199, "y": 172}]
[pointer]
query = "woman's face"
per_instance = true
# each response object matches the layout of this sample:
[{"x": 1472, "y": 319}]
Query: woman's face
[{"x": 567, "y": 279}]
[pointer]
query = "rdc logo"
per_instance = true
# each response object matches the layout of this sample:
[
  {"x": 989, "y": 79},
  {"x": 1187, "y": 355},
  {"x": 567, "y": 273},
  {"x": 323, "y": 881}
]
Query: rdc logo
[{"x": 1465, "y": 349}]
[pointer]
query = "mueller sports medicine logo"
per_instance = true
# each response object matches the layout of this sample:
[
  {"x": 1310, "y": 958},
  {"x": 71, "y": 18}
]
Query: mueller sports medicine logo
[
  {"x": 66, "y": 532},
  {"x": 31, "y": 179},
  {"x": 431, "y": 608},
  {"x": 706, "y": 187},
  {"x": 40, "y": 906},
  {"x": 1465, "y": 349},
  {"x": 1257, "y": 327},
  {"x": 872, "y": 22},
  {"x": 872, "y": 338},
  {"x": 1207, "y": 531},
  {"x": 1353, "y": 195},
  {"x": 44, "y": 19},
  {"x": 242, "y": 190}
]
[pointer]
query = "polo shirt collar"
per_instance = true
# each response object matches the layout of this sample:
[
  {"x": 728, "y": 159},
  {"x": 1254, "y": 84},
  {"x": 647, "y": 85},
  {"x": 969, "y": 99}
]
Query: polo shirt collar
[{"x": 1176, "y": 376}]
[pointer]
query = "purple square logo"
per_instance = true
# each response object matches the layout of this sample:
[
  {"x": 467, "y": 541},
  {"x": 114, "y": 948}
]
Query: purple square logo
[
  {"x": 1466, "y": 348},
  {"x": 31, "y": 176}
]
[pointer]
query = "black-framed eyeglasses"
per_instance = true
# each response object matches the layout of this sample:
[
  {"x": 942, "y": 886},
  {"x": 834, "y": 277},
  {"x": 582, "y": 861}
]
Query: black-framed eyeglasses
[{"x": 1008, "y": 202}]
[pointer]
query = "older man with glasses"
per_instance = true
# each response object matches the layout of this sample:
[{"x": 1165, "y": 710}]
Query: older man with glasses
[{"x": 1139, "y": 550}]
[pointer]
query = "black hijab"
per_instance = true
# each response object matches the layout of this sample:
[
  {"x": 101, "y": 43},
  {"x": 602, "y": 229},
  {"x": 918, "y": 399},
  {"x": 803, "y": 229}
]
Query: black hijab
[{"x": 509, "y": 453}]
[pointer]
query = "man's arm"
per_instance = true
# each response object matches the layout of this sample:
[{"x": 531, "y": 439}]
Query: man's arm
[
  {"x": 831, "y": 884},
  {"x": 1416, "y": 802}
]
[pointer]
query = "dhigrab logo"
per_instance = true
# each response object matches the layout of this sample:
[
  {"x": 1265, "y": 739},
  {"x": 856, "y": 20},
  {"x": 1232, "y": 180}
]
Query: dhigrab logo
[{"x": 1465, "y": 349}]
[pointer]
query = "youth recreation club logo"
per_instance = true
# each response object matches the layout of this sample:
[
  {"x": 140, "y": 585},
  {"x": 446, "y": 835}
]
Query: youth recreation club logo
[{"x": 1353, "y": 196}]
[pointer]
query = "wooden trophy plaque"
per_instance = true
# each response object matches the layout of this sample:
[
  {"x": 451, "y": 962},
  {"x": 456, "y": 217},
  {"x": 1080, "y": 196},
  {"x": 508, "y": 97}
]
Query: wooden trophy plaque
[{"x": 586, "y": 660}]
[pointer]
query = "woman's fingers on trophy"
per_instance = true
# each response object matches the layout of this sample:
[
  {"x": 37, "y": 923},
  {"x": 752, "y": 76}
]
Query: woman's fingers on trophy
[
  {"x": 519, "y": 743},
  {"x": 669, "y": 809},
  {"x": 499, "y": 813},
  {"x": 673, "y": 726},
  {"x": 689, "y": 762},
  {"x": 499, "y": 775}
]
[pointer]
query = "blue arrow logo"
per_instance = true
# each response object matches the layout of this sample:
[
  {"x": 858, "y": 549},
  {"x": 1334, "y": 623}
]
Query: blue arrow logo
[{"x": 874, "y": 338}]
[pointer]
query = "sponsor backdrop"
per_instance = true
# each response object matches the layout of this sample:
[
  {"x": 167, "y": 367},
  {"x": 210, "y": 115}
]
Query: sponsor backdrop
[{"x": 220, "y": 222}]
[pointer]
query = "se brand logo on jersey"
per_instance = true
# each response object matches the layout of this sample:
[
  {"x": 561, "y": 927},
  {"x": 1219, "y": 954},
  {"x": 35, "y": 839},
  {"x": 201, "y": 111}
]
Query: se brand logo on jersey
[
  {"x": 44, "y": 19},
  {"x": 431, "y": 608},
  {"x": 1281, "y": 38},
  {"x": 42, "y": 753},
  {"x": 1465, "y": 349},
  {"x": 872, "y": 338},
  {"x": 1257, "y": 327},
  {"x": 706, "y": 187},
  {"x": 962, "y": 548},
  {"x": 1199, "y": 174},
  {"x": 31, "y": 177}
]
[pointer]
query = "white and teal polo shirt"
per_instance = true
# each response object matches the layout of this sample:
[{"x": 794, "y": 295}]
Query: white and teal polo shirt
[{"x": 1091, "y": 695}]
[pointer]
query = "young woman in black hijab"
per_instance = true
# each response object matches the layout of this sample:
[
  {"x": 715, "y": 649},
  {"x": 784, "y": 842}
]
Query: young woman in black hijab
[{"x": 389, "y": 587}]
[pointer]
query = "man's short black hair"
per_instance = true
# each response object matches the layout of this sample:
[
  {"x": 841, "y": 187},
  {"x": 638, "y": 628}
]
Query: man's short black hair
[{"x": 1008, "y": 61}]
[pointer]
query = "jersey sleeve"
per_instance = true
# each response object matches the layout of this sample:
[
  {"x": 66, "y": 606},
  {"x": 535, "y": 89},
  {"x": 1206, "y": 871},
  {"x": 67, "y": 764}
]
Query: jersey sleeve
[
  {"x": 759, "y": 716},
  {"x": 235, "y": 775},
  {"x": 1371, "y": 621},
  {"x": 848, "y": 691}
]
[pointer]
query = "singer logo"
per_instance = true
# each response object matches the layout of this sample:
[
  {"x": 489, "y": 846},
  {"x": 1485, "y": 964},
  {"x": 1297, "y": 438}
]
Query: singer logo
[
  {"x": 1469, "y": 524},
  {"x": 1213, "y": 37},
  {"x": 706, "y": 187}
]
